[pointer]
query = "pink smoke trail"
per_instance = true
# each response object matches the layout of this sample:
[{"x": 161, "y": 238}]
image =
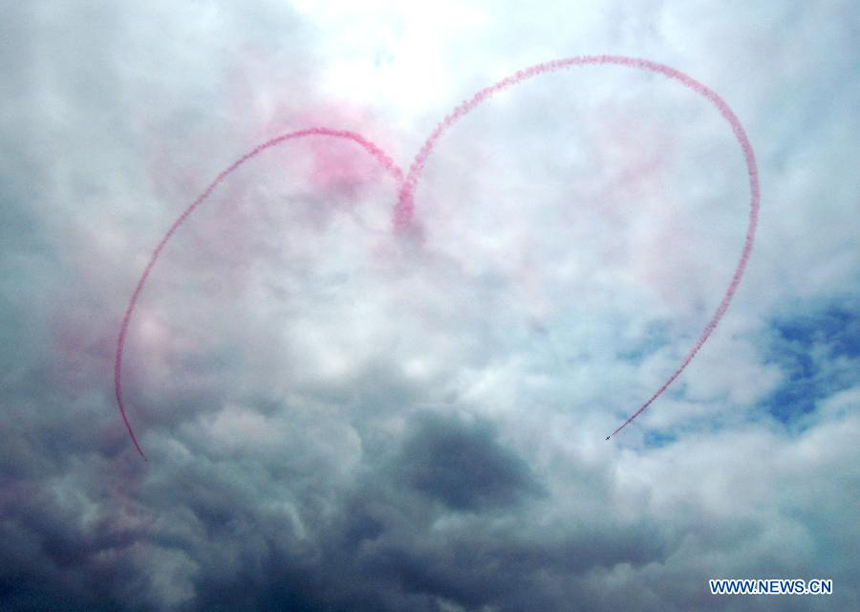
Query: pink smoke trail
[
  {"x": 404, "y": 210},
  {"x": 368, "y": 146}
]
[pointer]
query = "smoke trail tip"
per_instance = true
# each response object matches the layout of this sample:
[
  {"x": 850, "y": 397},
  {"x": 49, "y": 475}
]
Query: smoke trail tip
[{"x": 140, "y": 451}]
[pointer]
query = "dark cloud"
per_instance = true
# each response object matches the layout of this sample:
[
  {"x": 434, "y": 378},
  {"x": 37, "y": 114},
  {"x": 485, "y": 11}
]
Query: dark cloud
[{"x": 464, "y": 466}]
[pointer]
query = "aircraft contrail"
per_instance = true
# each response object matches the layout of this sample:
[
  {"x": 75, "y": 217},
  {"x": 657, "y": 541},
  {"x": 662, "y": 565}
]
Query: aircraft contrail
[
  {"x": 367, "y": 145},
  {"x": 405, "y": 206}
]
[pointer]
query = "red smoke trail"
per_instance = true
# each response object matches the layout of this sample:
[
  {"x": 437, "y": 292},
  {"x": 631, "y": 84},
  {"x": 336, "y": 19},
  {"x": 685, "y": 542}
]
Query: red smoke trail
[
  {"x": 404, "y": 210},
  {"x": 368, "y": 146}
]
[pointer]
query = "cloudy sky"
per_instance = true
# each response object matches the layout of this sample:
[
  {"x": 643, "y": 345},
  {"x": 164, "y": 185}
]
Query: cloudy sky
[{"x": 342, "y": 417}]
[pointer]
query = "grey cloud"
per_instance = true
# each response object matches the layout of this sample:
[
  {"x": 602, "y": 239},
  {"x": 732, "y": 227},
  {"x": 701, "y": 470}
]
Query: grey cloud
[
  {"x": 464, "y": 466},
  {"x": 338, "y": 425}
]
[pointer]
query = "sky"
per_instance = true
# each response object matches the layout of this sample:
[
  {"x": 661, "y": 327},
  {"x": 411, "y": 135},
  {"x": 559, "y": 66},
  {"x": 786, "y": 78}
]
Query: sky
[{"x": 340, "y": 413}]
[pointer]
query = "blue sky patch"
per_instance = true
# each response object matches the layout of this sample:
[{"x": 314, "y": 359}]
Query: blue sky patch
[{"x": 818, "y": 351}]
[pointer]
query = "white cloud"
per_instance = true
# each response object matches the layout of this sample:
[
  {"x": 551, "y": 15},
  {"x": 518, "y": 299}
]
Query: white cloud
[{"x": 289, "y": 353}]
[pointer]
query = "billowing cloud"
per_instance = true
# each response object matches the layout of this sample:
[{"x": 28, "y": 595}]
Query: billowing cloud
[{"x": 341, "y": 417}]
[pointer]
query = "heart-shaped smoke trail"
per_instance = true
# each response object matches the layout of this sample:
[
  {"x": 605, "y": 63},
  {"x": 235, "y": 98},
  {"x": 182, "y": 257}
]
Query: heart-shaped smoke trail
[{"x": 405, "y": 207}]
